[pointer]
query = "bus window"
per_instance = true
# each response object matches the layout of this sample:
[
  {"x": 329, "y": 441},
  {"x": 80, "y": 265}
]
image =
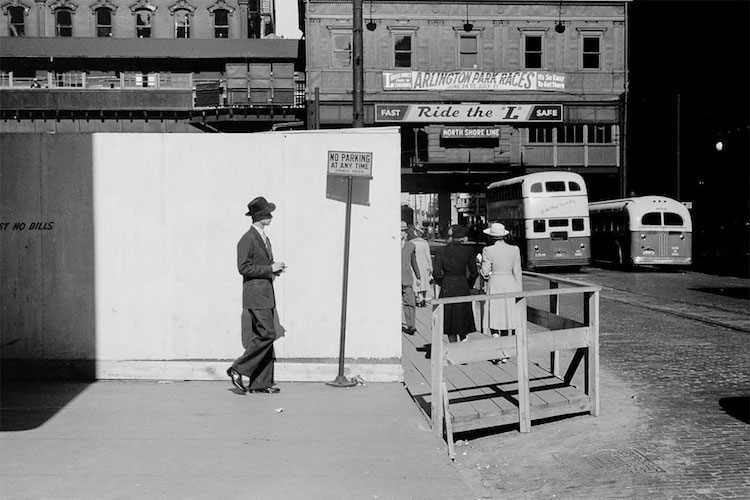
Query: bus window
[
  {"x": 539, "y": 226},
  {"x": 672, "y": 219},
  {"x": 651, "y": 219},
  {"x": 573, "y": 186},
  {"x": 554, "y": 186},
  {"x": 558, "y": 223},
  {"x": 536, "y": 187},
  {"x": 577, "y": 224}
]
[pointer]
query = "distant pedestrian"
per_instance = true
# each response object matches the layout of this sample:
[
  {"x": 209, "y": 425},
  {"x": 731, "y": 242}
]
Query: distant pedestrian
[
  {"x": 258, "y": 269},
  {"x": 423, "y": 286},
  {"x": 501, "y": 267},
  {"x": 408, "y": 266},
  {"x": 456, "y": 271}
]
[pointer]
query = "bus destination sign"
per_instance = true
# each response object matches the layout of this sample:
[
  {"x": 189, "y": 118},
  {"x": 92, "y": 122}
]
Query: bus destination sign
[{"x": 350, "y": 163}]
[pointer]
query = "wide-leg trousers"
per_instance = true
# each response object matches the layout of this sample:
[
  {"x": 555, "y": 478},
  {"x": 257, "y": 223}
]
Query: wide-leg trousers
[{"x": 256, "y": 362}]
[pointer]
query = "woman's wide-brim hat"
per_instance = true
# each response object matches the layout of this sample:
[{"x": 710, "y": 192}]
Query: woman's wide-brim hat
[
  {"x": 259, "y": 206},
  {"x": 496, "y": 230}
]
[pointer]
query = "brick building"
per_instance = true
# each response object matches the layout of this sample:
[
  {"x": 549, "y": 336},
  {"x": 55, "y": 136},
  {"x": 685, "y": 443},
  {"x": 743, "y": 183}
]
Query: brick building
[
  {"x": 146, "y": 66},
  {"x": 483, "y": 89}
]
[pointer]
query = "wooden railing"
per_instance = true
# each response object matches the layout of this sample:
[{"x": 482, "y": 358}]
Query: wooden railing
[{"x": 562, "y": 333}]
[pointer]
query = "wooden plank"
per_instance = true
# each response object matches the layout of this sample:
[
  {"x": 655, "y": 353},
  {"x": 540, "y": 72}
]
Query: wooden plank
[
  {"x": 542, "y": 343},
  {"x": 514, "y": 295},
  {"x": 550, "y": 320},
  {"x": 554, "y": 308},
  {"x": 479, "y": 350},
  {"x": 448, "y": 423},
  {"x": 436, "y": 371},
  {"x": 468, "y": 401}
]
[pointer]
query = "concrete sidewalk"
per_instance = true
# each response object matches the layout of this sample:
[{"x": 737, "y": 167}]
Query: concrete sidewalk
[{"x": 199, "y": 440}]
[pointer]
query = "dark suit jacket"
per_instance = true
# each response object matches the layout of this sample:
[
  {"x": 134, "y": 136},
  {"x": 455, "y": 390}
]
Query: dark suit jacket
[
  {"x": 455, "y": 269},
  {"x": 254, "y": 264}
]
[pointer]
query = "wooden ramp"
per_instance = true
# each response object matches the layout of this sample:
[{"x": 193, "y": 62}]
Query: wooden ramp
[{"x": 479, "y": 394}]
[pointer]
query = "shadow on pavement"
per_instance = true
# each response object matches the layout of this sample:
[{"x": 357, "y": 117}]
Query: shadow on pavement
[
  {"x": 27, "y": 405},
  {"x": 737, "y": 407}
]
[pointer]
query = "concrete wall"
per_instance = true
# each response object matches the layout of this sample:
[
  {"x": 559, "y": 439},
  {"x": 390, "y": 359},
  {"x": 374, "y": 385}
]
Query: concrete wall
[{"x": 136, "y": 269}]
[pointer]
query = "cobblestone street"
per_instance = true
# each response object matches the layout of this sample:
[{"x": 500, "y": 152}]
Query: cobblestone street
[{"x": 674, "y": 420}]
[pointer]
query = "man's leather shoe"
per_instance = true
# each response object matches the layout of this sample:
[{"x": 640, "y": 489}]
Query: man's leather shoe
[
  {"x": 266, "y": 390},
  {"x": 236, "y": 379}
]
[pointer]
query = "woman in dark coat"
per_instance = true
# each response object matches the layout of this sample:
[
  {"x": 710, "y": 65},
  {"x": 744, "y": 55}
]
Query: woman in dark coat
[{"x": 455, "y": 271}]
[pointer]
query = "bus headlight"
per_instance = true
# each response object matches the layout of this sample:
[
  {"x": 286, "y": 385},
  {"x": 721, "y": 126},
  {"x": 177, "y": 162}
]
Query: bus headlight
[
  {"x": 536, "y": 247},
  {"x": 583, "y": 245},
  {"x": 643, "y": 236},
  {"x": 682, "y": 236}
]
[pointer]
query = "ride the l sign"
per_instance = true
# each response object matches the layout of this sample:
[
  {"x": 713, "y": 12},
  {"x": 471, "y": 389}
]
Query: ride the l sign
[{"x": 350, "y": 163}]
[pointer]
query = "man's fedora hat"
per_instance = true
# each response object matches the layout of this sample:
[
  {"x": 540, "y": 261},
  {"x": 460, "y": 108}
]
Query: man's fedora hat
[
  {"x": 496, "y": 230},
  {"x": 259, "y": 206},
  {"x": 459, "y": 231}
]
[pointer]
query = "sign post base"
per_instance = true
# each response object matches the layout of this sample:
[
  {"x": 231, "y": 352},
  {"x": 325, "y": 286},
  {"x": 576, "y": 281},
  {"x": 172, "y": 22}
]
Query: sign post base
[{"x": 342, "y": 381}]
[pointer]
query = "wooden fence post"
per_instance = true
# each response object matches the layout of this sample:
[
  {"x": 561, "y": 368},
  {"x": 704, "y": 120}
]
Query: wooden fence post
[
  {"x": 591, "y": 318},
  {"x": 554, "y": 308},
  {"x": 436, "y": 365},
  {"x": 524, "y": 410}
]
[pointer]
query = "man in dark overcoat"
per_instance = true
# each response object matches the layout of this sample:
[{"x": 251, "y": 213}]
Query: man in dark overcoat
[{"x": 258, "y": 269}]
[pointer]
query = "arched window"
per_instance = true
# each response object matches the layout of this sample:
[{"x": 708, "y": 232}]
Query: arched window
[
  {"x": 182, "y": 23},
  {"x": 221, "y": 23},
  {"x": 143, "y": 23},
  {"x": 16, "y": 25},
  {"x": 103, "y": 22},
  {"x": 63, "y": 22}
]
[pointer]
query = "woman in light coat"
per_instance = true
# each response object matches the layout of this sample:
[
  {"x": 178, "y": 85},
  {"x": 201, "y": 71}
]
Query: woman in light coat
[
  {"x": 422, "y": 286},
  {"x": 501, "y": 267}
]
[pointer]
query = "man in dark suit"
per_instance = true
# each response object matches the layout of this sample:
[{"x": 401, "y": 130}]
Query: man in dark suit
[{"x": 255, "y": 264}]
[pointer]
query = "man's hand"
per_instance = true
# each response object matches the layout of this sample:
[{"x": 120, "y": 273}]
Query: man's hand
[{"x": 278, "y": 267}]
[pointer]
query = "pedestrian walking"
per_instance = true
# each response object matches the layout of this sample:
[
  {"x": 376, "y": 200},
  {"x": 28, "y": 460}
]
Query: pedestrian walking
[
  {"x": 258, "y": 269},
  {"x": 501, "y": 267},
  {"x": 456, "y": 271},
  {"x": 423, "y": 286},
  {"x": 408, "y": 266}
]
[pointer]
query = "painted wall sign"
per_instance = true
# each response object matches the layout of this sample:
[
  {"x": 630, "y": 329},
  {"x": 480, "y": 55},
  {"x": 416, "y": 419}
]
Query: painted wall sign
[
  {"x": 489, "y": 113},
  {"x": 470, "y": 133},
  {"x": 473, "y": 80},
  {"x": 350, "y": 163}
]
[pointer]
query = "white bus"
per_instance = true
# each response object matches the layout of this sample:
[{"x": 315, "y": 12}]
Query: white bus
[
  {"x": 641, "y": 230},
  {"x": 547, "y": 214}
]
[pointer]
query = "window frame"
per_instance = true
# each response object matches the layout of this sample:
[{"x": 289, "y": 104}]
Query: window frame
[
  {"x": 460, "y": 53},
  {"x": 336, "y": 62},
  {"x": 144, "y": 30},
  {"x": 100, "y": 26},
  {"x": 188, "y": 22},
  {"x": 526, "y": 52},
  {"x": 598, "y": 35},
  {"x": 63, "y": 31},
  {"x": 13, "y": 30},
  {"x": 395, "y": 34},
  {"x": 223, "y": 27}
]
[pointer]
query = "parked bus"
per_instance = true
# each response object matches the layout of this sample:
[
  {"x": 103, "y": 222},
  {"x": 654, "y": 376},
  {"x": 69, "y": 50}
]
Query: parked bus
[
  {"x": 641, "y": 230},
  {"x": 547, "y": 214}
]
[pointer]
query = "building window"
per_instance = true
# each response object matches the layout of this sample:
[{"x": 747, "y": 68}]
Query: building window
[
  {"x": 591, "y": 51},
  {"x": 103, "y": 22},
  {"x": 600, "y": 134},
  {"x": 221, "y": 23},
  {"x": 63, "y": 22},
  {"x": 342, "y": 50},
  {"x": 570, "y": 134},
  {"x": 532, "y": 51},
  {"x": 402, "y": 46},
  {"x": 540, "y": 134},
  {"x": 468, "y": 52},
  {"x": 16, "y": 26},
  {"x": 182, "y": 23},
  {"x": 254, "y": 21},
  {"x": 143, "y": 23}
]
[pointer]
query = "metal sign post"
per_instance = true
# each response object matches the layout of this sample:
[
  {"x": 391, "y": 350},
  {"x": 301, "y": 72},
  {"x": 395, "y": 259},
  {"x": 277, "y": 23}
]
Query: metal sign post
[{"x": 349, "y": 164}]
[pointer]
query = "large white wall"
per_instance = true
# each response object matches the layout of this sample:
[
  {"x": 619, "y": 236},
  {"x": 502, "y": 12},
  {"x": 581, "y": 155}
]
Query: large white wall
[{"x": 168, "y": 211}]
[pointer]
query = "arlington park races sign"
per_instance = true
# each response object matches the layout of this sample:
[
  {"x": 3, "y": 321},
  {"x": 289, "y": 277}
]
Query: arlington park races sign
[{"x": 473, "y": 80}]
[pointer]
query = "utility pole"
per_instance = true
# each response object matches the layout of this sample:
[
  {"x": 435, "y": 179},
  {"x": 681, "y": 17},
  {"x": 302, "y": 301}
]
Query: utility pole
[
  {"x": 679, "y": 166},
  {"x": 358, "y": 93}
]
